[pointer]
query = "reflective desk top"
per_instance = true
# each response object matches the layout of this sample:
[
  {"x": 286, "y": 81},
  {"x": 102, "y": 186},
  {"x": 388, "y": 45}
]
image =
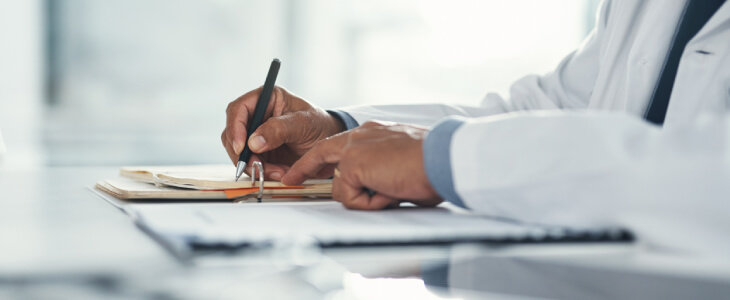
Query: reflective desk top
[{"x": 59, "y": 241}]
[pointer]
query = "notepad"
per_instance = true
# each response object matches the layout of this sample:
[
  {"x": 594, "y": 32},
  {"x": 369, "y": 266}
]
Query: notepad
[
  {"x": 202, "y": 182},
  {"x": 203, "y": 177}
]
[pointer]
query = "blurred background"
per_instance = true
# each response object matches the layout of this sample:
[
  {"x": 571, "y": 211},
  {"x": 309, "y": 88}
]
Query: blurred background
[{"x": 106, "y": 82}]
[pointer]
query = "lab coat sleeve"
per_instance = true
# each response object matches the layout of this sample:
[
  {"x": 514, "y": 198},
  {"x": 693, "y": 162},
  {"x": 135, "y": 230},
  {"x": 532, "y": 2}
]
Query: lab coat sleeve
[
  {"x": 593, "y": 169},
  {"x": 417, "y": 114},
  {"x": 566, "y": 166}
]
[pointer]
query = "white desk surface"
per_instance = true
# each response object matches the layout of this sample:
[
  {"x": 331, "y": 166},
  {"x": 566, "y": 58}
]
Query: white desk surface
[{"x": 61, "y": 237}]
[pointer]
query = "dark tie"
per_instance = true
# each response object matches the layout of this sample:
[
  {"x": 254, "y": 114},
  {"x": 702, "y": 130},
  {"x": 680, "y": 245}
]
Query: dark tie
[{"x": 696, "y": 14}]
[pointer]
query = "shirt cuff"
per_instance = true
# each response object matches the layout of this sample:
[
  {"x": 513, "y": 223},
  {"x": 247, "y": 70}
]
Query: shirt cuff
[
  {"x": 437, "y": 159},
  {"x": 344, "y": 118}
]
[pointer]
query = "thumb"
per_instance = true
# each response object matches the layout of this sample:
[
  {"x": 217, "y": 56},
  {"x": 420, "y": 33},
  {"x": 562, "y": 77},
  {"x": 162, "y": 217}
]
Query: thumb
[{"x": 274, "y": 133}]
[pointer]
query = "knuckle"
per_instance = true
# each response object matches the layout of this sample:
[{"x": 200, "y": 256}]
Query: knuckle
[
  {"x": 276, "y": 125},
  {"x": 347, "y": 203},
  {"x": 276, "y": 129},
  {"x": 358, "y": 133},
  {"x": 278, "y": 93},
  {"x": 369, "y": 124},
  {"x": 324, "y": 143},
  {"x": 352, "y": 153},
  {"x": 310, "y": 173},
  {"x": 319, "y": 152},
  {"x": 231, "y": 107},
  {"x": 373, "y": 123},
  {"x": 336, "y": 193}
]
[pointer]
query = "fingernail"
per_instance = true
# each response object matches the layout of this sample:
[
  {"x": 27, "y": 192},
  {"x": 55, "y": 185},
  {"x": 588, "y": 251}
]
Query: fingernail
[
  {"x": 257, "y": 143},
  {"x": 237, "y": 147},
  {"x": 275, "y": 176}
]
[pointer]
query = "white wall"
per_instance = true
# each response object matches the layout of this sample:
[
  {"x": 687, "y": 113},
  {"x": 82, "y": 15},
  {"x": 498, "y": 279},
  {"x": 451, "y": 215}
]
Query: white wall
[
  {"x": 2, "y": 146},
  {"x": 147, "y": 81},
  {"x": 21, "y": 82}
]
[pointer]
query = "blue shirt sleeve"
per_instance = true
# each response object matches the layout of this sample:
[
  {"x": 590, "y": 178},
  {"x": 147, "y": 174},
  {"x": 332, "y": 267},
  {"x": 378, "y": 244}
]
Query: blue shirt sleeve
[
  {"x": 345, "y": 118},
  {"x": 437, "y": 159}
]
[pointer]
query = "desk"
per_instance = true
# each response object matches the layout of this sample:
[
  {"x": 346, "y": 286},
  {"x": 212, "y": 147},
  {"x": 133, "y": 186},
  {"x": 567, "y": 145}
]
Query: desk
[{"x": 62, "y": 241}]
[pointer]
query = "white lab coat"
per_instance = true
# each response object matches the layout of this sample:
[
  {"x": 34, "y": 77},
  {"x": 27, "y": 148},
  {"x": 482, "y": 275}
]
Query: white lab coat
[{"x": 571, "y": 147}]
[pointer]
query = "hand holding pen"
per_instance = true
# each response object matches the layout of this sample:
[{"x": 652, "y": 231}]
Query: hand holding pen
[{"x": 289, "y": 127}]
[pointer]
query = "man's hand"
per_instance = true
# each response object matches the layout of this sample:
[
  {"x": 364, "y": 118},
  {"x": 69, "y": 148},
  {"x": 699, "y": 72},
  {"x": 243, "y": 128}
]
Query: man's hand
[
  {"x": 385, "y": 158},
  {"x": 291, "y": 127}
]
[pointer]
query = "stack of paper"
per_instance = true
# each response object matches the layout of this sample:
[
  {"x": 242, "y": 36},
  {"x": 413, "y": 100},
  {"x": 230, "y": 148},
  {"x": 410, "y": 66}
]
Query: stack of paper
[
  {"x": 202, "y": 182},
  {"x": 191, "y": 226}
]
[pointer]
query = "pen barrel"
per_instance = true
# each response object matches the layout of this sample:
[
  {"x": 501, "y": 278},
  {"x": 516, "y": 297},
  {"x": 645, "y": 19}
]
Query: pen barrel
[
  {"x": 245, "y": 154},
  {"x": 263, "y": 102},
  {"x": 261, "y": 105}
]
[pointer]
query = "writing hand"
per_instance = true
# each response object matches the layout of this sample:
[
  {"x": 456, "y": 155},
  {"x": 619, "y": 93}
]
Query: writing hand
[{"x": 291, "y": 127}]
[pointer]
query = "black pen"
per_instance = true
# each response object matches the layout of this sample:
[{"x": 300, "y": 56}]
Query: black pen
[{"x": 258, "y": 115}]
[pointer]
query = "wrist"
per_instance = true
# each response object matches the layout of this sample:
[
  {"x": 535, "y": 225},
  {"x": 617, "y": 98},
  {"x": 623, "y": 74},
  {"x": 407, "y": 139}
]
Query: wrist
[
  {"x": 427, "y": 186},
  {"x": 343, "y": 119},
  {"x": 437, "y": 159}
]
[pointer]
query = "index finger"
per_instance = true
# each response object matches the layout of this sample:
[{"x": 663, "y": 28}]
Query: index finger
[
  {"x": 240, "y": 111},
  {"x": 323, "y": 154},
  {"x": 237, "y": 116}
]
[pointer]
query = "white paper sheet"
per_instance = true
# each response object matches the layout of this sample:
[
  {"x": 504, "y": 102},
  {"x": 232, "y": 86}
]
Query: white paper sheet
[{"x": 330, "y": 223}]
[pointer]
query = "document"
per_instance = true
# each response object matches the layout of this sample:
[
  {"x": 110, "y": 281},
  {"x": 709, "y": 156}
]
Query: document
[
  {"x": 128, "y": 189},
  {"x": 329, "y": 223},
  {"x": 204, "y": 177},
  {"x": 236, "y": 225},
  {"x": 203, "y": 182}
]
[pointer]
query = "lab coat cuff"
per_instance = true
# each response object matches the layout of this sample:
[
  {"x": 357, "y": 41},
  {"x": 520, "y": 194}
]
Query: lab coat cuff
[
  {"x": 344, "y": 118},
  {"x": 437, "y": 159}
]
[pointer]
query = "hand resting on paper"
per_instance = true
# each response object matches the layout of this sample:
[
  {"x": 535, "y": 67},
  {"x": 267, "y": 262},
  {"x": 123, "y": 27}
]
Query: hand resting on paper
[
  {"x": 384, "y": 157},
  {"x": 291, "y": 127}
]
